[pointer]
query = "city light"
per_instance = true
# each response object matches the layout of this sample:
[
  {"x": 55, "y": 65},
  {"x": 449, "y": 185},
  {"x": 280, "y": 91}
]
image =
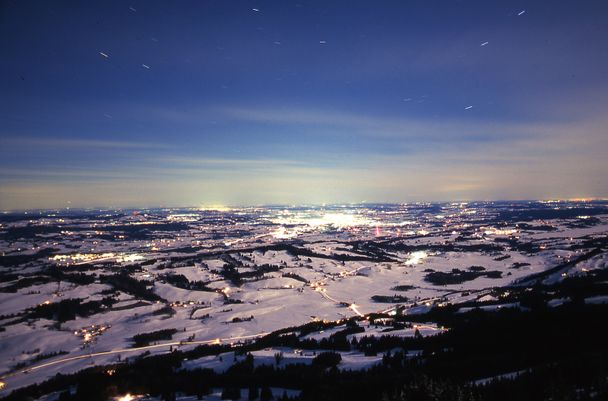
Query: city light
[{"x": 416, "y": 257}]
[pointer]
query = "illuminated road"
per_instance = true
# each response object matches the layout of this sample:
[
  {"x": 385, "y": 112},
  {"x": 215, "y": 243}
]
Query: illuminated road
[
  {"x": 354, "y": 307},
  {"x": 124, "y": 350},
  {"x": 323, "y": 291},
  {"x": 316, "y": 286}
]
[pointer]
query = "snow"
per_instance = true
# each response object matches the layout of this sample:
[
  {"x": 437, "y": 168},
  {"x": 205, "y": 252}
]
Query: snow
[
  {"x": 490, "y": 307},
  {"x": 504, "y": 376},
  {"x": 352, "y": 360},
  {"x": 601, "y": 299},
  {"x": 275, "y": 302}
]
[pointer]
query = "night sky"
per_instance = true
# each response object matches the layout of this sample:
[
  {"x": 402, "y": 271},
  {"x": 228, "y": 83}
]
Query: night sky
[{"x": 148, "y": 103}]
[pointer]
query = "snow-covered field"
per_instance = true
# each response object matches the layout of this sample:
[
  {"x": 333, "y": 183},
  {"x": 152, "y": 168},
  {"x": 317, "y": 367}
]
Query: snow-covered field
[{"x": 233, "y": 275}]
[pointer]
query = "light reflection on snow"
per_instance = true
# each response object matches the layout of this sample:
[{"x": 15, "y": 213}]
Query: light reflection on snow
[
  {"x": 282, "y": 233},
  {"x": 416, "y": 257},
  {"x": 183, "y": 217},
  {"x": 126, "y": 397},
  {"x": 497, "y": 231},
  {"x": 338, "y": 220},
  {"x": 77, "y": 258}
]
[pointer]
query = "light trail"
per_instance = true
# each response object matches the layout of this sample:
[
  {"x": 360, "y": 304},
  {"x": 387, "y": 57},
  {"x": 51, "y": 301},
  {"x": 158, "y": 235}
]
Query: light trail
[
  {"x": 323, "y": 291},
  {"x": 427, "y": 327},
  {"x": 135, "y": 349},
  {"x": 354, "y": 307}
]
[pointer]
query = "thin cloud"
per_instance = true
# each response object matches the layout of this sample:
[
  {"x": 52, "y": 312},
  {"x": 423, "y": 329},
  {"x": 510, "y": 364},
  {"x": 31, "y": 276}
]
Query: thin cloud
[
  {"x": 82, "y": 143},
  {"x": 392, "y": 128},
  {"x": 205, "y": 161}
]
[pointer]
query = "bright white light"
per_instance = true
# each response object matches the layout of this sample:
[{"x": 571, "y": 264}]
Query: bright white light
[
  {"x": 92, "y": 257},
  {"x": 282, "y": 233},
  {"x": 416, "y": 257},
  {"x": 496, "y": 231},
  {"x": 185, "y": 217},
  {"x": 340, "y": 220},
  {"x": 130, "y": 258}
]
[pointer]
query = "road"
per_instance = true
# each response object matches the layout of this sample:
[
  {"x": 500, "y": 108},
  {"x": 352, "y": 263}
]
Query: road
[
  {"x": 317, "y": 286},
  {"x": 126, "y": 350}
]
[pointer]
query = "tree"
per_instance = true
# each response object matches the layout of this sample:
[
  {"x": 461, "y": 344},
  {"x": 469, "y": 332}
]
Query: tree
[
  {"x": 254, "y": 393},
  {"x": 327, "y": 359},
  {"x": 266, "y": 394},
  {"x": 278, "y": 357}
]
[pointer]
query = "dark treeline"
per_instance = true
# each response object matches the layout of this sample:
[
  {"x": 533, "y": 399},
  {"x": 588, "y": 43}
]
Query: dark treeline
[
  {"x": 143, "y": 339},
  {"x": 403, "y": 247},
  {"x": 561, "y": 351},
  {"x": 125, "y": 283},
  {"x": 291, "y": 249},
  {"x": 131, "y": 231},
  {"x": 68, "y": 309},
  {"x": 181, "y": 281},
  {"x": 16, "y": 260},
  {"x": 25, "y": 282},
  {"x": 457, "y": 276},
  {"x": 548, "y": 213},
  {"x": 390, "y": 298},
  {"x": 231, "y": 273},
  {"x": 295, "y": 276},
  {"x": 77, "y": 278}
]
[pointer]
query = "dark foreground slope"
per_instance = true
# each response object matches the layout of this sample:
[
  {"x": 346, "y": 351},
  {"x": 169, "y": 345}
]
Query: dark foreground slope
[{"x": 534, "y": 352}]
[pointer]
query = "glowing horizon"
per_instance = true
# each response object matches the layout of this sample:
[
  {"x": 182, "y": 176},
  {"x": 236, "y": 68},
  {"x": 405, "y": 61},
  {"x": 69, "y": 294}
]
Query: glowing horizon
[{"x": 290, "y": 104}]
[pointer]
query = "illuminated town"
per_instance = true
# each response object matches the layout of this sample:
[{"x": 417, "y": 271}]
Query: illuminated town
[{"x": 102, "y": 287}]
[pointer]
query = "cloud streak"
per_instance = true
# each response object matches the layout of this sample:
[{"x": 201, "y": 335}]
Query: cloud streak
[{"x": 19, "y": 141}]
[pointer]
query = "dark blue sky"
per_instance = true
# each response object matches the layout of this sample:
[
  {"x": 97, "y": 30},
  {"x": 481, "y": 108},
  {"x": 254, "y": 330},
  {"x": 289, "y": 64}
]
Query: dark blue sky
[{"x": 119, "y": 103}]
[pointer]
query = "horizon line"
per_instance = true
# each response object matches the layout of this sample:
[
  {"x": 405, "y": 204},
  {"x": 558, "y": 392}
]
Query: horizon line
[{"x": 227, "y": 207}]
